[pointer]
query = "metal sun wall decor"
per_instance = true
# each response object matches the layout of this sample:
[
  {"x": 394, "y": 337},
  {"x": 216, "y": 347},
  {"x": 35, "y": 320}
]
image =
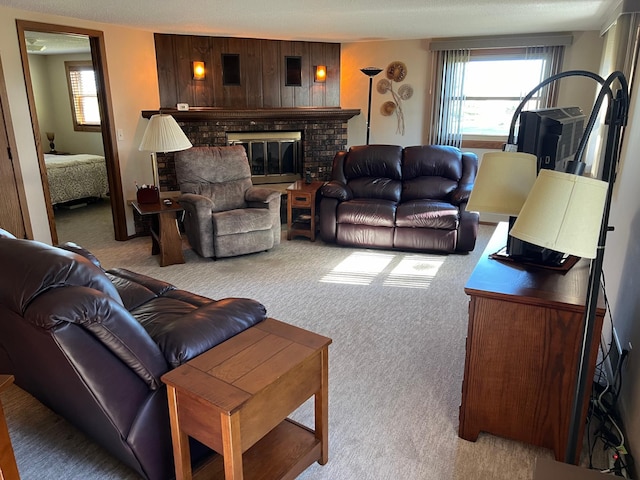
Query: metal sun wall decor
[{"x": 396, "y": 72}]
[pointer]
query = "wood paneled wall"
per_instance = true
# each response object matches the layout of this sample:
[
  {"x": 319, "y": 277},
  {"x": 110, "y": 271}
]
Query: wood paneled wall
[{"x": 262, "y": 72}]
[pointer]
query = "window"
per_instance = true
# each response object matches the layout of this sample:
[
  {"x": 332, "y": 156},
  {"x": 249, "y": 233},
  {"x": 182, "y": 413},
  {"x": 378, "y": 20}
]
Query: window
[
  {"x": 477, "y": 90},
  {"x": 84, "y": 96},
  {"x": 493, "y": 88}
]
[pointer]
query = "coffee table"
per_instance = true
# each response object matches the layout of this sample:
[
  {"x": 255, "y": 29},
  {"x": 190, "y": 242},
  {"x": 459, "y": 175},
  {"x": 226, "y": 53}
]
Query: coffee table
[{"x": 235, "y": 398}]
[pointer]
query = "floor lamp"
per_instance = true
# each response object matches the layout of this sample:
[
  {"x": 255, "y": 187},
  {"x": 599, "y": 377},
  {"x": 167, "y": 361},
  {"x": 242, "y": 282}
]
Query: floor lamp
[
  {"x": 370, "y": 72},
  {"x": 567, "y": 212}
]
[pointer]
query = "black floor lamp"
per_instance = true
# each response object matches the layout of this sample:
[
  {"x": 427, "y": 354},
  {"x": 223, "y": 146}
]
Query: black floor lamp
[{"x": 370, "y": 72}]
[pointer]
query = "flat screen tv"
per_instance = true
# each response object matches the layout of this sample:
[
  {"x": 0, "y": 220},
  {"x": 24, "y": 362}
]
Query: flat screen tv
[{"x": 553, "y": 136}]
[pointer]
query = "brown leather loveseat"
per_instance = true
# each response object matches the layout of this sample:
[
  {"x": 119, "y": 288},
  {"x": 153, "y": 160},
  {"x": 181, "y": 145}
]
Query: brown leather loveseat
[
  {"x": 412, "y": 198},
  {"x": 92, "y": 344}
]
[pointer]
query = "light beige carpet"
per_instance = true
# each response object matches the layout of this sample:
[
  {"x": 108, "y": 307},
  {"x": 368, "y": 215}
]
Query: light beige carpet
[{"x": 398, "y": 323}]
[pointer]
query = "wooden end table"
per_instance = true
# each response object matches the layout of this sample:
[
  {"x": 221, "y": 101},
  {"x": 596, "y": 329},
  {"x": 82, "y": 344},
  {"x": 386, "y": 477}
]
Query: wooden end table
[
  {"x": 166, "y": 239},
  {"x": 8, "y": 467},
  {"x": 302, "y": 200},
  {"x": 235, "y": 398},
  {"x": 524, "y": 335}
]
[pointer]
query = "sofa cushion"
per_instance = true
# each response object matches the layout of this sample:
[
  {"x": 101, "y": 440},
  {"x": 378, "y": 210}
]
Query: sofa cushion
[
  {"x": 243, "y": 220},
  {"x": 427, "y": 214},
  {"x": 366, "y": 211},
  {"x": 376, "y": 187},
  {"x": 432, "y": 160},
  {"x": 374, "y": 161},
  {"x": 435, "y": 188},
  {"x": 184, "y": 331}
]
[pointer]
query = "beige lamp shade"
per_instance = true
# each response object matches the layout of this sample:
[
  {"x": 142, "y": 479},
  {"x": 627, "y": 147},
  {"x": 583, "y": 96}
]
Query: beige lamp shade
[
  {"x": 563, "y": 212},
  {"x": 503, "y": 182},
  {"x": 163, "y": 134}
]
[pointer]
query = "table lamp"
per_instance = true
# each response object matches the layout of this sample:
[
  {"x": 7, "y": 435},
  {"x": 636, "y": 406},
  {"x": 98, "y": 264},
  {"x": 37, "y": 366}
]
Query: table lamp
[{"x": 163, "y": 134}]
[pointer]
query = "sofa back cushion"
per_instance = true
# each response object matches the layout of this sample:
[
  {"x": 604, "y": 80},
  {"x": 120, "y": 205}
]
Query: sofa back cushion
[
  {"x": 374, "y": 171},
  {"x": 36, "y": 267},
  {"x": 221, "y": 174},
  {"x": 430, "y": 171}
]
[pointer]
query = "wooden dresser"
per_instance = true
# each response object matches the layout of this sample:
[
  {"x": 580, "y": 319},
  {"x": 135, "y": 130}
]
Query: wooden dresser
[{"x": 523, "y": 346}]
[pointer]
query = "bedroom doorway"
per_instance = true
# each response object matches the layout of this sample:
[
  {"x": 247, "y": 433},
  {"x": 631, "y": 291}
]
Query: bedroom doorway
[{"x": 54, "y": 133}]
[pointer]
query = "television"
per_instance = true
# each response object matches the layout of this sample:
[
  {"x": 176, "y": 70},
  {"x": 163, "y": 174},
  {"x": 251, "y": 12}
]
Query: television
[{"x": 553, "y": 136}]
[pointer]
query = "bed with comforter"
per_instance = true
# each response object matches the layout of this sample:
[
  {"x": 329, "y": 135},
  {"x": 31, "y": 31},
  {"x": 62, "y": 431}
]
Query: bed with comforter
[{"x": 75, "y": 177}]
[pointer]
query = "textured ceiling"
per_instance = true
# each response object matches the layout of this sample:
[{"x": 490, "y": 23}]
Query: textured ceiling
[{"x": 336, "y": 20}]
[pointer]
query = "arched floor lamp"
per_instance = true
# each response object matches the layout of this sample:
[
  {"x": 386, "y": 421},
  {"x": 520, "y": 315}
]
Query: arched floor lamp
[{"x": 567, "y": 212}]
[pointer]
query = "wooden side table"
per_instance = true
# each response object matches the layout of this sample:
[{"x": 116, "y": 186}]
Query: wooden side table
[
  {"x": 235, "y": 399},
  {"x": 8, "y": 467},
  {"x": 301, "y": 209},
  {"x": 522, "y": 353},
  {"x": 166, "y": 239}
]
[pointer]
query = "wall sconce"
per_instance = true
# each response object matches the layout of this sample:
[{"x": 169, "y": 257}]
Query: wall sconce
[
  {"x": 198, "y": 70},
  {"x": 320, "y": 73}
]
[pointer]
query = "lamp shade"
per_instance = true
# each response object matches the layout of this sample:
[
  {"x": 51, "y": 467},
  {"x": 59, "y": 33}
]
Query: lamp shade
[
  {"x": 503, "y": 182},
  {"x": 163, "y": 134},
  {"x": 564, "y": 213}
]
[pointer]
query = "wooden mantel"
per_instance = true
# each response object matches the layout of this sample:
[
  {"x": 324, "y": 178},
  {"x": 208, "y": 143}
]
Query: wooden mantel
[{"x": 299, "y": 113}]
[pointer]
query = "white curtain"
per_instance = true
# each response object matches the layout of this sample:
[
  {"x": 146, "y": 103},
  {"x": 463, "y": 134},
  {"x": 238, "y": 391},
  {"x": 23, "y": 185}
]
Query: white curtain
[{"x": 446, "y": 114}]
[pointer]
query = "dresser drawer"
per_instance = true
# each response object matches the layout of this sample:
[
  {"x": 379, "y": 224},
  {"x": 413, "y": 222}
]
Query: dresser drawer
[{"x": 300, "y": 199}]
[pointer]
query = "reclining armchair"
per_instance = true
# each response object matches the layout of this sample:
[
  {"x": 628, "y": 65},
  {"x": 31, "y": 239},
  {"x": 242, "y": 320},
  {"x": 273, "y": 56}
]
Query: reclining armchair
[
  {"x": 225, "y": 215},
  {"x": 92, "y": 344}
]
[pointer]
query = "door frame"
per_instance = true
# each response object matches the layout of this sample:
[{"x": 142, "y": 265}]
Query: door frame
[
  {"x": 99, "y": 59},
  {"x": 13, "y": 155}
]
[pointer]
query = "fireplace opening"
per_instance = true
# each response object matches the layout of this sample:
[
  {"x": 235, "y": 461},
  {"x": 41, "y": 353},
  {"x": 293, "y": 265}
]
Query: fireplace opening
[{"x": 274, "y": 157}]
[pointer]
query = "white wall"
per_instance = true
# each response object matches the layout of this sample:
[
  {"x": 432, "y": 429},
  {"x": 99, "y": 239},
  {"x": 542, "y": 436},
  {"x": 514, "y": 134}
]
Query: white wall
[
  {"x": 354, "y": 90},
  {"x": 134, "y": 87}
]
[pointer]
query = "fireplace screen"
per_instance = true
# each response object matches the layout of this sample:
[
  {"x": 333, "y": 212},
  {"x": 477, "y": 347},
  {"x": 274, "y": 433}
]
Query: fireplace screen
[{"x": 275, "y": 157}]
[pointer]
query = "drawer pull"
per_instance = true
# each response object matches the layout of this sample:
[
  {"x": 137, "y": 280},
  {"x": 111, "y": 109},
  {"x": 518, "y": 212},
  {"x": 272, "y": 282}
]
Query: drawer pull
[{"x": 301, "y": 199}]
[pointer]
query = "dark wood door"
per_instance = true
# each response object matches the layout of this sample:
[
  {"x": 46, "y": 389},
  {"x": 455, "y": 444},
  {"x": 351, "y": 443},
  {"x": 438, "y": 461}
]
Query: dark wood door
[{"x": 13, "y": 208}]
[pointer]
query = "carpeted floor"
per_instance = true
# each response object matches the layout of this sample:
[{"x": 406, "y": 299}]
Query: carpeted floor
[{"x": 398, "y": 323}]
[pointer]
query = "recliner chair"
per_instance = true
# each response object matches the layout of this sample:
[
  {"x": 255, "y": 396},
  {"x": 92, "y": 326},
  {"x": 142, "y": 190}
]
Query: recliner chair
[
  {"x": 225, "y": 215},
  {"x": 92, "y": 344}
]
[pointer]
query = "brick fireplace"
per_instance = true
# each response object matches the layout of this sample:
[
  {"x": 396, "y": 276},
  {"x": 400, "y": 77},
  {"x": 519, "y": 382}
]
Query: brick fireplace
[{"x": 323, "y": 133}]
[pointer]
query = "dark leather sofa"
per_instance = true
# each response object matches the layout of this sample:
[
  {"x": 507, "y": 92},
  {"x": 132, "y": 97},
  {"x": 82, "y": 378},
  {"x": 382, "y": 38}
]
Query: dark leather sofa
[
  {"x": 92, "y": 344},
  {"x": 412, "y": 198}
]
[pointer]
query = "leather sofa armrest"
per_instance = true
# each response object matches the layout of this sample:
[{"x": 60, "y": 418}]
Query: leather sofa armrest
[
  {"x": 337, "y": 190},
  {"x": 461, "y": 194},
  {"x": 205, "y": 327},
  {"x": 261, "y": 194}
]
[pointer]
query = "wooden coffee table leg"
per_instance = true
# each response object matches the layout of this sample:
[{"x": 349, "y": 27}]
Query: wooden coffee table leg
[
  {"x": 231, "y": 446},
  {"x": 181, "y": 452},
  {"x": 322, "y": 409}
]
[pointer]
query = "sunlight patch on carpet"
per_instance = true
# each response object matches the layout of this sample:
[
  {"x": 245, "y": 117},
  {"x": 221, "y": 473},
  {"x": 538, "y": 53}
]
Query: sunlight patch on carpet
[
  {"x": 391, "y": 270},
  {"x": 359, "y": 268},
  {"x": 416, "y": 271}
]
